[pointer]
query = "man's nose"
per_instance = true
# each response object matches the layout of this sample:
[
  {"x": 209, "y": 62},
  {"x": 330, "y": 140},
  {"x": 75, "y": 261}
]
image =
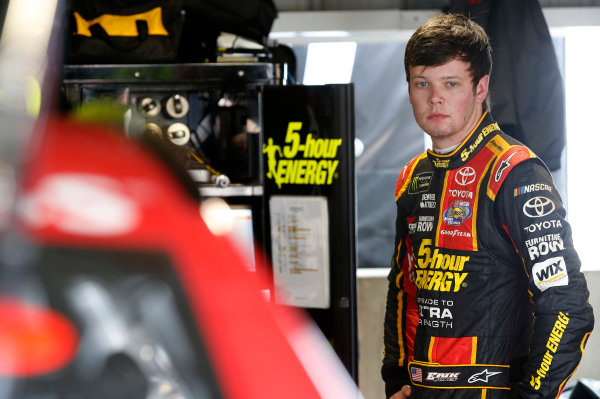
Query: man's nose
[{"x": 436, "y": 96}]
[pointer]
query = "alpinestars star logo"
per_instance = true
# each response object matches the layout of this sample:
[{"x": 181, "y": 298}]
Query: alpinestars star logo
[
  {"x": 503, "y": 166},
  {"x": 483, "y": 376}
]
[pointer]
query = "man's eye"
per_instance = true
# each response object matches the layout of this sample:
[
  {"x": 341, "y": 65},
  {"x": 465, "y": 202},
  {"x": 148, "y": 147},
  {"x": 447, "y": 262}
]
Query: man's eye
[
  {"x": 452, "y": 84},
  {"x": 421, "y": 84}
]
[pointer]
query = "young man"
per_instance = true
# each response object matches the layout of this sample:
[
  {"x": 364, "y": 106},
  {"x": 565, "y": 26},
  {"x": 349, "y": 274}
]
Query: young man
[{"x": 482, "y": 245}]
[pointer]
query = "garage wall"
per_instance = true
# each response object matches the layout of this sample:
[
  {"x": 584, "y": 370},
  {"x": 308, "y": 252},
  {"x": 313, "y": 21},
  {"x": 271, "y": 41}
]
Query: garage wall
[
  {"x": 377, "y": 26},
  {"x": 318, "y": 5}
]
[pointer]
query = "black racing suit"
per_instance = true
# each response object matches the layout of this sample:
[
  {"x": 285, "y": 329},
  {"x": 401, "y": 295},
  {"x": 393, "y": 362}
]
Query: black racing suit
[{"x": 486, "y": 299}]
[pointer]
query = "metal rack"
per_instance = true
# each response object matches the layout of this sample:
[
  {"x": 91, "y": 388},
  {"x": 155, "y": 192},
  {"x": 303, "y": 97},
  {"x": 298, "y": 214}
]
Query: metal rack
[{"x": 131, "y": 83}]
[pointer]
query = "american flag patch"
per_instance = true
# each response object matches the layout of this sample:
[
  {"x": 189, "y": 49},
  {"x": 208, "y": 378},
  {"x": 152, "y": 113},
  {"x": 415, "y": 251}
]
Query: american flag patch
[{"x": 417, "y": 374}]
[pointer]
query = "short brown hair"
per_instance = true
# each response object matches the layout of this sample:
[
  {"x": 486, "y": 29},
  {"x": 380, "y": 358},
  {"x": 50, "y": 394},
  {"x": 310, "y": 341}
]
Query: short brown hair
[{"x": 446, "y": 37}]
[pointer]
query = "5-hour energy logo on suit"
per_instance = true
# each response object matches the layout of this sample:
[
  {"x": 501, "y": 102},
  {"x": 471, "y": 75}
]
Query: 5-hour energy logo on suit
[{"x": 309, "y": 161}]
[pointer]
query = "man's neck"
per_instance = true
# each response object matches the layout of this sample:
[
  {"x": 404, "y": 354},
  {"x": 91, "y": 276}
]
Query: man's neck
[
  {"x": 444, "y": 151},
  {"x": 455, "y": 141}
]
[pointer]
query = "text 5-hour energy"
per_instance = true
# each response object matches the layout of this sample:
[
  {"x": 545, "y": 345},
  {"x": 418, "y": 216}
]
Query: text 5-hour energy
[{"x": 309, "y": 162}]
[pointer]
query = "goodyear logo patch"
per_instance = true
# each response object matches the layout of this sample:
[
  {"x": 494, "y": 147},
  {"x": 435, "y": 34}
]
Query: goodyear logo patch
[{"x": 311, "y": 161}]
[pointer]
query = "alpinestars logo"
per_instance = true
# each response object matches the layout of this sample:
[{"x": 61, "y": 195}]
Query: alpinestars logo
[
  {"x": 503, "y": 166},
  {"x": 483, "y": 376}
]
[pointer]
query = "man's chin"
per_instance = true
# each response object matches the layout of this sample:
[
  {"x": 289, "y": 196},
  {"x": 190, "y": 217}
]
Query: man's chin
[
  {"x": 439, "y": 134},
  {"x": 435, "y": 128}
]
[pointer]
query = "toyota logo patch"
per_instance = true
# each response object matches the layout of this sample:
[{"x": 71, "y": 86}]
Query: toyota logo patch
[
  {"x": 465, "y": 176},
  {"x": 538, "y": 207}
]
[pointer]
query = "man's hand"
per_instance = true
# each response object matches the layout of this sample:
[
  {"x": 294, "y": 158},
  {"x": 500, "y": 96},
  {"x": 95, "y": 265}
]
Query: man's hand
[{"x": 403, "y": 393}]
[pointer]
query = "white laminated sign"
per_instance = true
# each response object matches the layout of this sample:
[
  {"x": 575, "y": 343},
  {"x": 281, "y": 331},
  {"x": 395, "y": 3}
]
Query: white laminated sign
[{"x": 300, "y": 250}]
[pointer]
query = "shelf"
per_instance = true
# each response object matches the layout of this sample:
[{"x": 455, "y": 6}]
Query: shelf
[
  {"x": 195, "y": 74},
  {"x": 231, "y": 191}
]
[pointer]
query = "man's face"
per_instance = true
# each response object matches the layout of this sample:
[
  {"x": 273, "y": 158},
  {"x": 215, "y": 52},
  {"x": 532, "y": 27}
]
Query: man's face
[{"x": 444, "y": 103}]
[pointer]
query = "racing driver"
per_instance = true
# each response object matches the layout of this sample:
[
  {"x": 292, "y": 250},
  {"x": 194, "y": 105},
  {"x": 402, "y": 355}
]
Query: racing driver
[{"x": 486, "y": 298}]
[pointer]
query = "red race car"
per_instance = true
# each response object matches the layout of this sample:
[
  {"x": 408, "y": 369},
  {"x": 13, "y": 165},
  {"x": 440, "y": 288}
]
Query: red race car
[{"x": 113, "y": 287}]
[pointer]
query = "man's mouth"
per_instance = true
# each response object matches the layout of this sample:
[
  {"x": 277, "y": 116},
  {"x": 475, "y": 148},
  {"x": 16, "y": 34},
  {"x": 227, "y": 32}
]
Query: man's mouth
[{"x": 436, "y": 116}]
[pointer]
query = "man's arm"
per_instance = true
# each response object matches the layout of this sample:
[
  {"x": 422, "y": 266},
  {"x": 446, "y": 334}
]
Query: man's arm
[
  {"x": 394, "y": 369},
  {"x": 530, "y": 209},
  {"x": 398, "y": 324}
]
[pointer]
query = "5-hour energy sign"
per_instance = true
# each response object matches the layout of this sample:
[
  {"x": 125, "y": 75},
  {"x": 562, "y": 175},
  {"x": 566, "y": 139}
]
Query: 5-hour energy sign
[{"x": 309, "y": 161}]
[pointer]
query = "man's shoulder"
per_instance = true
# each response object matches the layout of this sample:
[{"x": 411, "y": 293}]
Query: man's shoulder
[
  {"x": 406, "y": 174},
  {"x": 508, "y": 154}
]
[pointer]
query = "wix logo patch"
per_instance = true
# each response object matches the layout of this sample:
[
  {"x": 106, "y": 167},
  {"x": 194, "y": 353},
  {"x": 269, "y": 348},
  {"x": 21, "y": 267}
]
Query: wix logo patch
[{"x": 550, "y": 273}]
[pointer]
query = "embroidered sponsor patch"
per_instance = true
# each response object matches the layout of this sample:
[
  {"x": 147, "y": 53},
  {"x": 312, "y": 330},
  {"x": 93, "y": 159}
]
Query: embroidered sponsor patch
[
  {"x": 417, "y": 374},
  {"x": 420, "y": 183},
  {"x": 458, "y": 212},
  {"x": 550, "y": 273},
  {"x": 538, "y": 207}
]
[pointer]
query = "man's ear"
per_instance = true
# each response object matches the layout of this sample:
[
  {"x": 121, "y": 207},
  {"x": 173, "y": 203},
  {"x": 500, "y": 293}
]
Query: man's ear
[{"x": 481, "y": 90}]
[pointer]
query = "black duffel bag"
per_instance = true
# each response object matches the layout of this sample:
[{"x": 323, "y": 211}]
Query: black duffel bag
[
  {"x": 124, "y": 31},
  {"x": 251, "y": 19},
  {"x": 206, "y": 19}
]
